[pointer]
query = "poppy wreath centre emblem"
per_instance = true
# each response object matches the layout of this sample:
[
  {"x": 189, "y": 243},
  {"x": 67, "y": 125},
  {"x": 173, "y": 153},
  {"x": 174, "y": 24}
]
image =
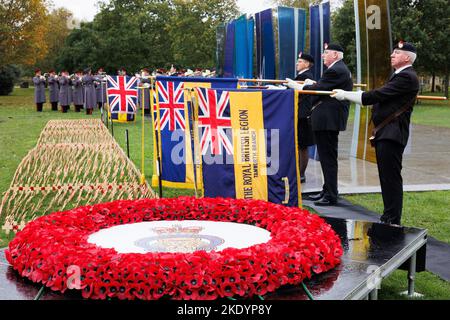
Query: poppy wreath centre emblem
[
  {"x": 180, "y": 259},
  {"x": 179, "y": 239}
]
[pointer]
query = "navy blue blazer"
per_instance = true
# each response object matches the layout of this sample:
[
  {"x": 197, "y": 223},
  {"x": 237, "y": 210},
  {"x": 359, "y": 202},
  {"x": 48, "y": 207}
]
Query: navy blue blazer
[
  {"x": 401, "y": 89},
  {"x": 304, "y": 100},
  {"x": 328, "y": 113}
]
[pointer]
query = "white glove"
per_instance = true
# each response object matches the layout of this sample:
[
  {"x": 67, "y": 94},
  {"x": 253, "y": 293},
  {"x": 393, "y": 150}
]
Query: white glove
[
  {"x": 353, "y": 96},
  {"x": 293, "y": 85},
  {"x": 309, "y": 82},
  {"x": 146, "y": 85},
  {"x": 272, "y": 87}
]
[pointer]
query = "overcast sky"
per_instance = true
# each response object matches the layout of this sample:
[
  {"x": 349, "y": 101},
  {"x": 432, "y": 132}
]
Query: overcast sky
[{"x": 87, "y": 9}]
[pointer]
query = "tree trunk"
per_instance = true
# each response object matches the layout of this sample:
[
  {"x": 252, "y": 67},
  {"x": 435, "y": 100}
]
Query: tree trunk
[
  {"x": 433, "y": 78},
  {"x": 446, "y": 85}
]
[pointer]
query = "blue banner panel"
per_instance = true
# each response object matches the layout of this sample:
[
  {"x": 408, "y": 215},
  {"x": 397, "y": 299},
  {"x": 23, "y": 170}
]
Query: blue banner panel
[
  {"x": 220, "y": 48},
  {"x": 265, "y": 45},
  {"x": 326, "y": 21},
  {"x": 286, "y": 43},
  {"x": 300, "y": 18},
  {"x": 250, "y": 40},
  {"x": 315, "y": 44},
  {"x": 228, "y": 69},
  {"x": 319, "y": 34},
  {"x": 241, "y": 46}
]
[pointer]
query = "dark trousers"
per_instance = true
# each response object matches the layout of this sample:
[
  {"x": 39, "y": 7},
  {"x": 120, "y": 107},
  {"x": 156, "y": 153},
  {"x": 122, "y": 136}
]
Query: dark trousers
[
  {"x": 39, "y": 107},
  {"x": 327, "y": 147},
  {"x": 55, "y": 106},
  {"x": 389, "y": 160}
]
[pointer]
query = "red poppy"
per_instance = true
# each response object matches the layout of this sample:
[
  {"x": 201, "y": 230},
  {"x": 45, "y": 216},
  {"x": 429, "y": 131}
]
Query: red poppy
[{"x": 301, "y": 244}]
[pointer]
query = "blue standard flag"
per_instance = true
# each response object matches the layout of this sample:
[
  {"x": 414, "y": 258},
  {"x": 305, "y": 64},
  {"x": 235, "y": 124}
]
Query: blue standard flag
[
  {"x": 247, "y": 140},
  {"x": 171, "y": 119}
]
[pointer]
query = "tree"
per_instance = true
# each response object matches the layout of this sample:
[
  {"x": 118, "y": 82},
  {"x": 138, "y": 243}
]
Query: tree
[
  {"x": 79, "y": 49},
  {"x": 23, "y": 26},
  {"x": 192, "y": 30},
  {"x": 343, "y": 32},
  {"x": 148, "y": 33},
  {"x": 427, "y": 25},
  {"x": 8, "y": 75},
  {"x": 424, "y": 23},
  {"x": 294, "y": 3}
]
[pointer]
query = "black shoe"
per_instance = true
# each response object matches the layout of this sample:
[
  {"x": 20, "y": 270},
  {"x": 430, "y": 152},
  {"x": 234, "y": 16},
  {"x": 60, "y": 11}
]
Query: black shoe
[
  {"x": 302, "y": 179},
  {"x": 325, "y": 202},
  {"x": 315, "y": 197}
]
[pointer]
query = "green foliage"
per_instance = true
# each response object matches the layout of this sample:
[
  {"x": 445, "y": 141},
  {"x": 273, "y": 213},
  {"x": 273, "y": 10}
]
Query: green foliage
[
  {"x": 343, "y": 32},
  {"x": 8, "y": 75},
  {"x": 424, "y": 23},
  {"x": 57, "y": 32},
  {"x": 22, "y": 29},
  {"x": 137, "y": 34}
]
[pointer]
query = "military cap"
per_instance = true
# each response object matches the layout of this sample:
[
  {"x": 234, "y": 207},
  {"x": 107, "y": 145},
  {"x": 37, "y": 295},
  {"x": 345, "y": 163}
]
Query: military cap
[
  {"x": 405, "y": 46},
  {"x": 306, "y": 57}
]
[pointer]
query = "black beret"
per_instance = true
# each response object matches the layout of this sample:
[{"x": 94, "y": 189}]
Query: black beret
[
  {"x": 333, "y": 46},
  {"x": 306, "y": 57},
  {"x": 405, "y": 46}
]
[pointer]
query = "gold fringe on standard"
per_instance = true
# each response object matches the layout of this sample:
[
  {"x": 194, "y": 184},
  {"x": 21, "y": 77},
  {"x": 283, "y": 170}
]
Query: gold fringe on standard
[{"x": 75, "y": 162}]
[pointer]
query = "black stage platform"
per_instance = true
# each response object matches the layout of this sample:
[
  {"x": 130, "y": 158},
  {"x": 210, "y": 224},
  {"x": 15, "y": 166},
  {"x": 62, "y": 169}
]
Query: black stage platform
[{"x": 372, "y": 251}]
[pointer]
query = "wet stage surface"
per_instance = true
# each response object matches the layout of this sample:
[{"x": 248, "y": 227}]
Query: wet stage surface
[
  {"x": 426, "y": 164},
  {"x": 370, "y": 250}
]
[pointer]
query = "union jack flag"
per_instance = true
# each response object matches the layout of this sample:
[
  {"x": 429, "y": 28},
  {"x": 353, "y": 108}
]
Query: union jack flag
[
  {"x": 171, "y": 105},
  {"x": 214, "y": 121},
  {"x": 122, "y": 97}
]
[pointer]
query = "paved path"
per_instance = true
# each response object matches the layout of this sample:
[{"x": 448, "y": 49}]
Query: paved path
[{"x": 426, "y": 164}]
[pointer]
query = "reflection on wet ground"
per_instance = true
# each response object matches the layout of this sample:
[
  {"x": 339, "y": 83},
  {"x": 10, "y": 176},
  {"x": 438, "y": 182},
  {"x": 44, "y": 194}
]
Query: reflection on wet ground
[{"x": 426, "y": 164}]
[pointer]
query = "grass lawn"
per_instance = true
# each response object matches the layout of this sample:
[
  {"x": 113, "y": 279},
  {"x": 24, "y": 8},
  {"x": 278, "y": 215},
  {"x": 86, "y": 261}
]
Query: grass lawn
[{"x": 20, "y": 126}]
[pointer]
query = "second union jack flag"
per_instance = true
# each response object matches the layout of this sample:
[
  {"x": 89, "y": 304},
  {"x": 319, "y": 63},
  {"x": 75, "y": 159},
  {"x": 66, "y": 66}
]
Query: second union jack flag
[
  {"x": 171, "y": 105},
  {"x": 172, "y": 125},
  {"x": 214, "y": 121},
  {"x": 122, "y": 98}
]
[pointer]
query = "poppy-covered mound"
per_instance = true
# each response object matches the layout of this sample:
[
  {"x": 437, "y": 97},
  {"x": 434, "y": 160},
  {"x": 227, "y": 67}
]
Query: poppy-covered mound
[{"x": 54, "y": 250}]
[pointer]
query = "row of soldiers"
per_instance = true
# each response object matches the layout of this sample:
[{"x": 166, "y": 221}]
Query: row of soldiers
[{"x": 83, "y": 89}]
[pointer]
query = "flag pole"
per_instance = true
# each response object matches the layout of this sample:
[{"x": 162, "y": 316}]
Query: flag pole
[
  {"x": 157, "y": 135},
  {"x": 327, "y": 93},
  {"x": 142, "y": 140},
  {"x": 192, "y": 133},
  {"x": 284, "y": 81}
]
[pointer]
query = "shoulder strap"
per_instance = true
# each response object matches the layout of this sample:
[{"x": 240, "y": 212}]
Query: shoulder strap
[{"x": 405, "y": 108}]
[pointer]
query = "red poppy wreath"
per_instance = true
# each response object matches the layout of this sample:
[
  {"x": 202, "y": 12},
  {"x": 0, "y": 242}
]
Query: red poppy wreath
[{"x": 54, "y": 250}]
